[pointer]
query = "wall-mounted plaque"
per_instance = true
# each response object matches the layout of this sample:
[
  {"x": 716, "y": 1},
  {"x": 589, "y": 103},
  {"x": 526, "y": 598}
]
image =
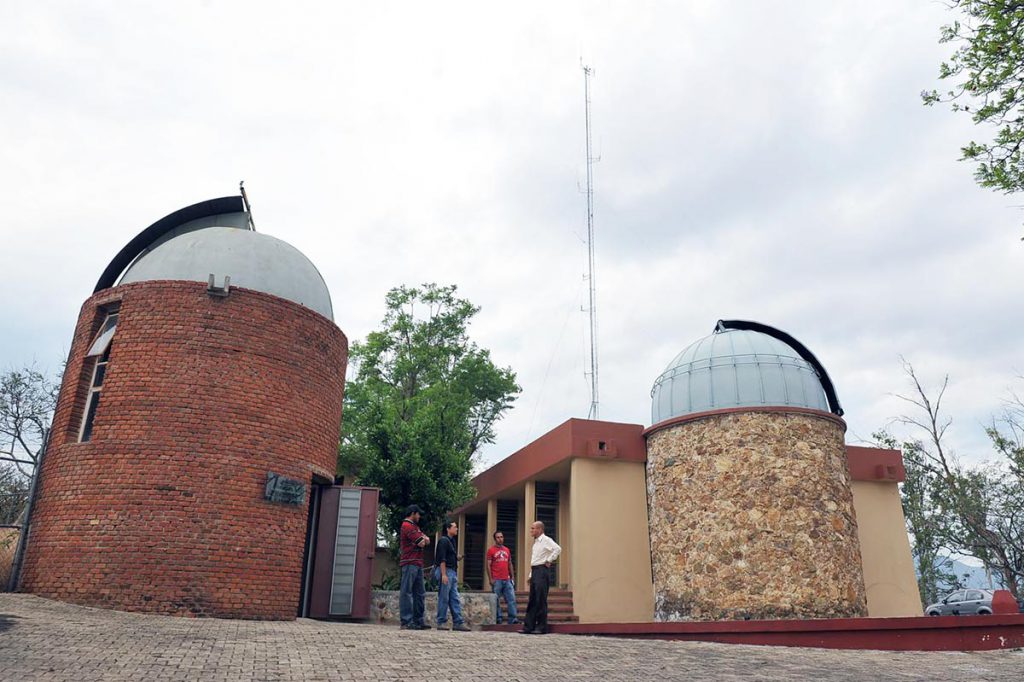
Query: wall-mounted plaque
[{"x": 285, "y": 490}]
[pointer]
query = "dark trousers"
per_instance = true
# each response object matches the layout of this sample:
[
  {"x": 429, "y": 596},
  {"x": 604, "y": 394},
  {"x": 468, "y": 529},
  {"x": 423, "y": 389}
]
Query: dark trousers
[
  {"x": 410, "y": 595},
  {"x": 537, "y": 608}
]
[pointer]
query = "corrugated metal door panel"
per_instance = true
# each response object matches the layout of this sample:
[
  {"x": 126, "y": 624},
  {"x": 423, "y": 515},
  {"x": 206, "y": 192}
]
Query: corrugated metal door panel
[{"x": 345, "y": 551}]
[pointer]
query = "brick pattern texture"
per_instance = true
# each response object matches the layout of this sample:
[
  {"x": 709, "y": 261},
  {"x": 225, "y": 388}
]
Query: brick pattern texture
[
  {"x": 163, "y": 510},
  {"x": 751, "y": 516}
]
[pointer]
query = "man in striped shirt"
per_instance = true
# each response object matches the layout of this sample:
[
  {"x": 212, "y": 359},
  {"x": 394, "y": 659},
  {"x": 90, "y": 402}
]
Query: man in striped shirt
[{"x": 545, "y": 552}]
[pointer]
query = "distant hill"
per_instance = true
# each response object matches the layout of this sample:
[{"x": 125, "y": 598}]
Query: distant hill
[{"x": 974, "y": 576}]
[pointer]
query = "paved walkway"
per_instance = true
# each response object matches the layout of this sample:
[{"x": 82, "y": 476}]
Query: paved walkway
[{"x": 47, "y": 640}]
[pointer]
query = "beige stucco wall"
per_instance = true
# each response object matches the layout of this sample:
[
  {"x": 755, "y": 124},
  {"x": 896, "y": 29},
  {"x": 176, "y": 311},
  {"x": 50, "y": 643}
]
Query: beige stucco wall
[
  {"x": 885, "y": 549},
  {"x": 608, "y": 540},
  {"x": 383, "y": 564},
  {"x": 752, "y": 516}
]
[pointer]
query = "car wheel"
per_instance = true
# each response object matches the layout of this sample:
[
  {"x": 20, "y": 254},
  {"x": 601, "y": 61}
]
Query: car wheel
[
  {"x": 984, "y": 612},
  {"x": 933, "y": 613}
]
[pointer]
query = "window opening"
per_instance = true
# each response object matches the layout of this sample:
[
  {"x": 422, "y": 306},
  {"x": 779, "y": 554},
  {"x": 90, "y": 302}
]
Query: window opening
[{"x": 100, "y": 349}]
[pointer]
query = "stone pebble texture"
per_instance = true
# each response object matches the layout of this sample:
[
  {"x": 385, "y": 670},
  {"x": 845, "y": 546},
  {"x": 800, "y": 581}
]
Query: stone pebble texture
[
  {"x": 163, "y": 510},
  {"x": 478, "y": 608},
  {"x": 751, "y": 516}
]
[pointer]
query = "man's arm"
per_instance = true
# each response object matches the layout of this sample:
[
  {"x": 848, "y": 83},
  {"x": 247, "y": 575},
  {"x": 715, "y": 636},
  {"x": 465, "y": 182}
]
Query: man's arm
[
  {"x": 442, "y": 549},
  {"x": 556, "y": 551},
  {"x": 487, "y": 565}
]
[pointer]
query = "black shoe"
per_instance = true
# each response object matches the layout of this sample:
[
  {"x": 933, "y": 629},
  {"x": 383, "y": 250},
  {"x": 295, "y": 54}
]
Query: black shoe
[
  {"x": 419, "y": 626},
  {"x": 513, "y": 622}
]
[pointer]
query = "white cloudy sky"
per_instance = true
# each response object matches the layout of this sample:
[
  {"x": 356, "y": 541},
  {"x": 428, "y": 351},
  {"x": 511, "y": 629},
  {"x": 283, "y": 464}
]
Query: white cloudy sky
[{"x": 759, "y": 160}]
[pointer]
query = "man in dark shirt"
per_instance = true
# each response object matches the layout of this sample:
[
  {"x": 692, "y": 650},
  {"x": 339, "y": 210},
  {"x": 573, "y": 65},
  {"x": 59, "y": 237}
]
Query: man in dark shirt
[
  {"x": 447, "y": 559},
  {"x": 411, "y": 541}
]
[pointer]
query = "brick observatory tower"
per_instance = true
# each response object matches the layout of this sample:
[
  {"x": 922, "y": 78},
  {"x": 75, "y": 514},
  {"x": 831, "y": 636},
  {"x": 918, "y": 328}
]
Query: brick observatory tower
[
  {"x": 205, "y": 377},
  {"x": 750, "y": 502}
]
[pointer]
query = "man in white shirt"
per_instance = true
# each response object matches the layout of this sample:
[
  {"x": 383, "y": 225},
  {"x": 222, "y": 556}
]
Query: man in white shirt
[{"x": 545, "y": 553}]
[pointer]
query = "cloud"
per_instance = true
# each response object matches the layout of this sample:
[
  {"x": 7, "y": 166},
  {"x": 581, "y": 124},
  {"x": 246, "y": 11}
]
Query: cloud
[{"x": 769, "y": 162}]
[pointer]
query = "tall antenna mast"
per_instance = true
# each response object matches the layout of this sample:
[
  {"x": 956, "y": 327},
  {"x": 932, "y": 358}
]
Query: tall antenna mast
[{"x": 593, "y": 413}]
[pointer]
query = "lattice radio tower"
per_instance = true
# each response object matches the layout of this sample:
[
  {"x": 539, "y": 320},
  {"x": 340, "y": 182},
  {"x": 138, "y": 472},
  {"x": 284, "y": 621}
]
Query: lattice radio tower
[{"x": 594, "y": 403}]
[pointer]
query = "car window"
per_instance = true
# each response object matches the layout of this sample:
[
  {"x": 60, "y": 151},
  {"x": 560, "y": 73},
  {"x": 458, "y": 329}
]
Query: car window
[
  {"x": 955, "y": 597},
  {"x": 974, "y": 595}
]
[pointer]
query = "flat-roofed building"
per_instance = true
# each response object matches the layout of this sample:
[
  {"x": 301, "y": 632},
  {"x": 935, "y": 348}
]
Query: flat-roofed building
[{"x": 740, "y": 501}]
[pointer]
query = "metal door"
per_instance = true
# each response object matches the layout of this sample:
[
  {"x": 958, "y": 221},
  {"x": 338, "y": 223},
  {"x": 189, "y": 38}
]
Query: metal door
[{"x": 345, "y": 539}]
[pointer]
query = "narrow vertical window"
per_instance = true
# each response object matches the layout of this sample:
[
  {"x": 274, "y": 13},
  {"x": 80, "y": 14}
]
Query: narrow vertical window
[{"x": 100, "y": 350}]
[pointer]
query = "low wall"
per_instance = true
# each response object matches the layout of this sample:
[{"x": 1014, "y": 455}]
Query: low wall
[{"x": 478, "y": 608}]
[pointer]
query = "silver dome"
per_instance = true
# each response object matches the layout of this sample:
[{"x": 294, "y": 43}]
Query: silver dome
[
  {"x": 252, "y": 260},
  {"x": 738, "y": 368}
]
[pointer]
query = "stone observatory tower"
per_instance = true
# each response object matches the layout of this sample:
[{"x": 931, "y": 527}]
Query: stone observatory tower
[
  {"x": 749, "y": 497},
  {"x": 201, "y": 400}
]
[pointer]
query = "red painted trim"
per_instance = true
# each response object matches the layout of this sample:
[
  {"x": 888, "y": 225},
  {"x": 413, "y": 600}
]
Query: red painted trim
[
  {"x": 875, "y": 464},
  {"x": 675, "y": 421},
  {"x": 574, "y": 438},
  {"x": 366, "y": 546},
  {"x": 323, "y": 560},
  {"x": 920, "y": 633}
]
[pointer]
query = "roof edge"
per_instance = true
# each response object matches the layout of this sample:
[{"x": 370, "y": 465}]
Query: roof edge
[
  {"x": 802, "y": 350},
  {"x": 144, "y": 239},
  {"x": 771, "y": 409}
]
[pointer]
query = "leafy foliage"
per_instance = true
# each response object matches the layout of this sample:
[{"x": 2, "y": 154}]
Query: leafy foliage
[
  {"x": 987, "y": 71},
  {"x": 423, "y": 401}
]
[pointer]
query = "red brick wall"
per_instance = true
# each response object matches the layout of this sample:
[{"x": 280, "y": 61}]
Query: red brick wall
[{"x": 163, "y": 509}]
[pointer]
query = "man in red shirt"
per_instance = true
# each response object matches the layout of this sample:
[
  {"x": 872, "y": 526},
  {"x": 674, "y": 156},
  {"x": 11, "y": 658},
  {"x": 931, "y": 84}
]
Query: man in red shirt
[
  {"x": 411, "y": 541},
  {"x": 502, "y": 576}
]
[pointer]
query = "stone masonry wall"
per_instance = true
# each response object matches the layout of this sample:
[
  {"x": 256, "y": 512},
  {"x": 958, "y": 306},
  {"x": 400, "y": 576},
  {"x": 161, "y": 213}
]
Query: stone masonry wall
[
  {"x": 751, "y": 516},
  {"x": 478, "y": 608},
  {"x": 163, "y": 510}
]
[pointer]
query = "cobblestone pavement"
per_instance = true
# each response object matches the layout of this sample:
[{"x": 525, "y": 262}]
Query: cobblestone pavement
[{"x": 47, "y": 640}]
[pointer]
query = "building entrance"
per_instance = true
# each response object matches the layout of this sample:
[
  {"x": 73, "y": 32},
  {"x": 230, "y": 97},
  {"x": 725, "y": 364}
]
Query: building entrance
[
  {"x": 475, "y": 546},
  {"x": 339, "y": 555}
]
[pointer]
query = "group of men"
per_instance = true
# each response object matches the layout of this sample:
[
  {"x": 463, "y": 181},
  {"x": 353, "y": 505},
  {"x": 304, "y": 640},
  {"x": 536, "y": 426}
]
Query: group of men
[{"x": 500, "y": 573}]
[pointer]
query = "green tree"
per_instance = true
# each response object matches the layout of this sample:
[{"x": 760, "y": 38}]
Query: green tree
[
  {"x": 987, "y": 76},
  {"x": 423, "y": 401},
  {"x": 1003, "y": 494},
  {"x": 979, "y": 510}
]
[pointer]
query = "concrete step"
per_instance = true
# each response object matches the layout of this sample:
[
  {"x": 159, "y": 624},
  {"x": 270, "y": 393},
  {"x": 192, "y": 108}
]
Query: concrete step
[
  {"x": 560, "y": 606},
  {"x": 551, "y": 599},
  {"x": 573, "y": 620},
  {"x": 554, "y": 608}
]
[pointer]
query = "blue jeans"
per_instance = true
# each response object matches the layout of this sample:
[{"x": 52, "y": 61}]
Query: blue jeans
[
  {"x": 504, "y": 589},
  {"x": 410, "y": 595},
  {"x": 448, "y": 597}
]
